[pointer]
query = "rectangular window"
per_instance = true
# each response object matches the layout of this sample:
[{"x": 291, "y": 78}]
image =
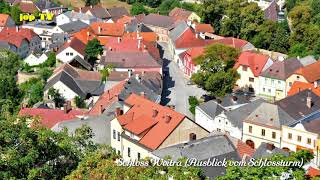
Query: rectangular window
[
  {"x": 269, "y": 90},
  {"x": 219, "y": 130},
  {"x": 309, "y": 141},
  {"x": 251, "y": 79},
  {"x": 119, "y": 136},
  {"x": 279, "y": 82},
  {"x": 71, "y": 54},
  {"x": 139, "y": 156},
  {"x": 67, "y": 54},
  {"x": 118, "y": 152},
  {"x": 299, "y": 138},
  {"x": 273, "y": 135},
  {"x": 289, "y": 136},
  {"x": 250, "y": 129},
  {"x": 114, "y": 134},
  {"x": 129, "y": 151},
  {"x": 264, "y": 89},
  {"x": 263, "y": 132}
]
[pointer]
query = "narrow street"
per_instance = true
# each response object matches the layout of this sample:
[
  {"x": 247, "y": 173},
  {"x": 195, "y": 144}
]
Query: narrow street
[{"x": 175, "y": 89}]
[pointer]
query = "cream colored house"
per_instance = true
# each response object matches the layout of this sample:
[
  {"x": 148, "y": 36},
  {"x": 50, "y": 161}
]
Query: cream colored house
[
  {"x": 249, "y": 65},
  {"x": 307, "y": 74},
  {"x": 144, "y": 126},
  {"x": 182, "y": 14},
  {"x": 264, "y": 125},
  {"x": 303, "y": 135}
]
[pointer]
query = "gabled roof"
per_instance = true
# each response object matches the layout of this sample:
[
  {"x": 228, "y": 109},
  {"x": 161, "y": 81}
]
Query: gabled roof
[
  {"x": 4, "y": 19},
  {"x": 107, "y": 29},
  {"x": 204, "y": 28},
  {"x": 75, "y": 44},
  {"x": 282, "y": 69},
  {"x": 230, "y": 41},
  {"x": 27, "y": 6},
  {"x": 45, "y": 4},
  {"x": 50, "y": 117},
  {"x": 313, "y": 172},
  {"x": 107, "y": 98},
  {"x": 192, "y": 53},
  {"x": 179, "y": 12},
  {"x": 79, "y": 81},
  {"x": 81, "y": 61},
  {"x": 298, "y": 86},
  {"x": 270, "y": 115},
  {"x": 296, "y": 105},
  {"x": 117, "y": 12},
  {"x": 79, "y": 16},
  {"x": 188, "y": 40},
  {"x": 140, "y": 119},
  {"x": 310, "y": 72},
  {"x": 73, "y": 26},
  {"x": 180, "y": 28},
  {"x": 159, "y": 20},
  {"x": 211, "y": 108},
  {"x": 97, "y": 11},
  {"x": 146, "y": 36},
  {"x": 16, "y": 31},
  {"x": 254, "y": 61},
  {"x": 13, "y": 40}
]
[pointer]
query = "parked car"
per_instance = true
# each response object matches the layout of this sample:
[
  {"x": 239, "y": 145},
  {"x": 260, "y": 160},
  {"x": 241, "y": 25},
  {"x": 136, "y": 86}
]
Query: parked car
[
  {"x": 190, "y": 82},
  {"x": 207, "y": 98}
]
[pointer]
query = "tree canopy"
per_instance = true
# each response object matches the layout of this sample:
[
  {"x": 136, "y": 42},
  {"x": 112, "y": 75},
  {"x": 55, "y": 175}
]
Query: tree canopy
[
  {"x": 216, "y": 74},
  {"x": 138, "y": 8},
  {"x": 93, "y": 49}
]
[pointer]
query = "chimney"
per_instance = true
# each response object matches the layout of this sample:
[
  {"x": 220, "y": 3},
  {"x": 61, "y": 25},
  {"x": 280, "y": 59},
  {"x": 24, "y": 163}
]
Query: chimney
[
  {"x": 91, "y": 6},
  {"x": 88, "y": 35},
  {"x": 197, "y": 35},
  {"x": 138, "y": 77},
  {"x": 233, "y": 44},
  {"x": 67, "y": 107},
  {"x": 118, "y": 111},
  {"x": 119, "y": 39},
  {"x": 270, "y": 147},
  {"x": 154, "y": 113},
  {"x": 315, "y": 84},
  {"x": 309, "y": 101},
  {"x": 101, "y": 109},
  {"x": 69, "y": 40},
  {"x": 139, "y": 43},
  {"x": 17, "y": 28},
  {"x": 168, "y": 118},
  {"x": 142, "y": 94},
  {"x": 99, "y": 29},
  {"x": 80, "y": 9}
]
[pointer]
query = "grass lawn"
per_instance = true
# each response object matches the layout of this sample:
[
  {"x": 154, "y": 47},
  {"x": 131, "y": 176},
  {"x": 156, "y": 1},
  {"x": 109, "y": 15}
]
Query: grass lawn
[{"x": 105, "y": 3}]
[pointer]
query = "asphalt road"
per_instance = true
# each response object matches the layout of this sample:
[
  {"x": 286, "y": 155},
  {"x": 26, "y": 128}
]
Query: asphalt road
[{"x": 175, "y": 89}]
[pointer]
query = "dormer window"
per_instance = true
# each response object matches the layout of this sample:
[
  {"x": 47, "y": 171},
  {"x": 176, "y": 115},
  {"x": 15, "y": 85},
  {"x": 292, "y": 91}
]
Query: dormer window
[
  {"x": 192, "y": 136},
  {"x": 244, "y": 68}
]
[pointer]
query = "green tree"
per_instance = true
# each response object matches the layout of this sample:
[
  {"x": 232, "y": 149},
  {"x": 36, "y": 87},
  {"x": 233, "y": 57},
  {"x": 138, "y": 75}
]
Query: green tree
[
  {"x": 93, "y": 49},
  {"x": 92, "y": 2},
  {"x": 265, "y": 172},
  {"x": 212, "y": 12},
  {"x": 216, "y": 73},
  {"x": 105, "y": 72},
  {"x": 15, "y": 12},
  {"x": 138, "y": 8},
  {"x": 167, "y": 5},
  {"x": 298, "y": 50},
  {"x": 193, "y": 102},
  {"x": 79, "y": 101},
  {"x": 35, "y": 153},
  {"x": 4, "y": 7},
  {"x": 32, "y": 91},
  {"x": 51, "y": 61},
  {"x": 56, "y": 97}
]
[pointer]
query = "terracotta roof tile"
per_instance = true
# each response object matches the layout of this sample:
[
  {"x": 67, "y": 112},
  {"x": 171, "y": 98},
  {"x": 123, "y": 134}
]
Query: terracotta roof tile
[
  {"x": 244, "y": 150},
  {"x": 188, "y": 39},
  {"x": 179, "y": 12},
  {"x": 312, "y": 172},
  {"x": 107, "y": 98},
  {"x": 28, "y": 7},
  {"x": 155, "y": 128},
  {"x": 108, "y": 29},
  {"x": 14, "y": 31},
  {"x": 310, "y": 72},
  {"x": 75, "y": 44},
  {"x": 298, "y": 86},
  {"x": 204, "y": 28},
  {"x": 255, "y": 61},
  {"x": 3, "y": 19},
  {"x": 50, "y": 117},
  {"x": 146, "y": 36}
]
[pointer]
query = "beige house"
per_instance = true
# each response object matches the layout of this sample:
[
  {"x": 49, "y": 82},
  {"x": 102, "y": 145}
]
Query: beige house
[
  {"x": 307, "y": 74},
  {"x": 264, "y": 125},
  {"x": 182, "y": 14},
  {"x": 143, "y": 126},
  {"x": 249, "y": 65}
]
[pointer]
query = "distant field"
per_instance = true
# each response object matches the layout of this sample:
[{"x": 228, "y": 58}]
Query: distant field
[{"x": 105, "y": 3}]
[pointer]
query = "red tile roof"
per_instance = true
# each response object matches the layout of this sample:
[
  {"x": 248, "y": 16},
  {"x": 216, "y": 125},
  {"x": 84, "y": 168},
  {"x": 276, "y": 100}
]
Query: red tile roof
[
  {"x": 255, "y": 61},
  {"x": 14, "y": 31},
  {"x": 107, "y": 98},
  {"x": 125, "y": 19},
  {"x": 312, "y": 172},
  {"x": 28, "y": 7},
  {"x": 230, "y": 41},
  {"x": 193, "y": 53},
  {"x": 86, "y": 34},
  {"x": 204, "y": 28},
  {"x": 298, "y": 86},
  {"x": 50, "y": 117},
  {"x": 311, "y": 72},
  {"x": 15, "y": 40},
  {"x": 108, "y": 29},
  {"x": 188, "y": 39},
  {"x": 77, "y": 73},
  {"x": 3, "y": 19},
  {"x": 244, "y": 150},
  {"x": 139, "y": 120},
  {"x": 146, "y": 36},
  {"x": 75, "y": 44}
]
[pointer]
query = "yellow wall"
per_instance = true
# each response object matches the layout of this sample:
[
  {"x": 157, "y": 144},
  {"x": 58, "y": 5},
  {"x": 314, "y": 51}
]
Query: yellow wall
[
  {"x": 294, "y": 78},
  {"x": 182, "y": 132},
  {"x": 193, "y": 16}
]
